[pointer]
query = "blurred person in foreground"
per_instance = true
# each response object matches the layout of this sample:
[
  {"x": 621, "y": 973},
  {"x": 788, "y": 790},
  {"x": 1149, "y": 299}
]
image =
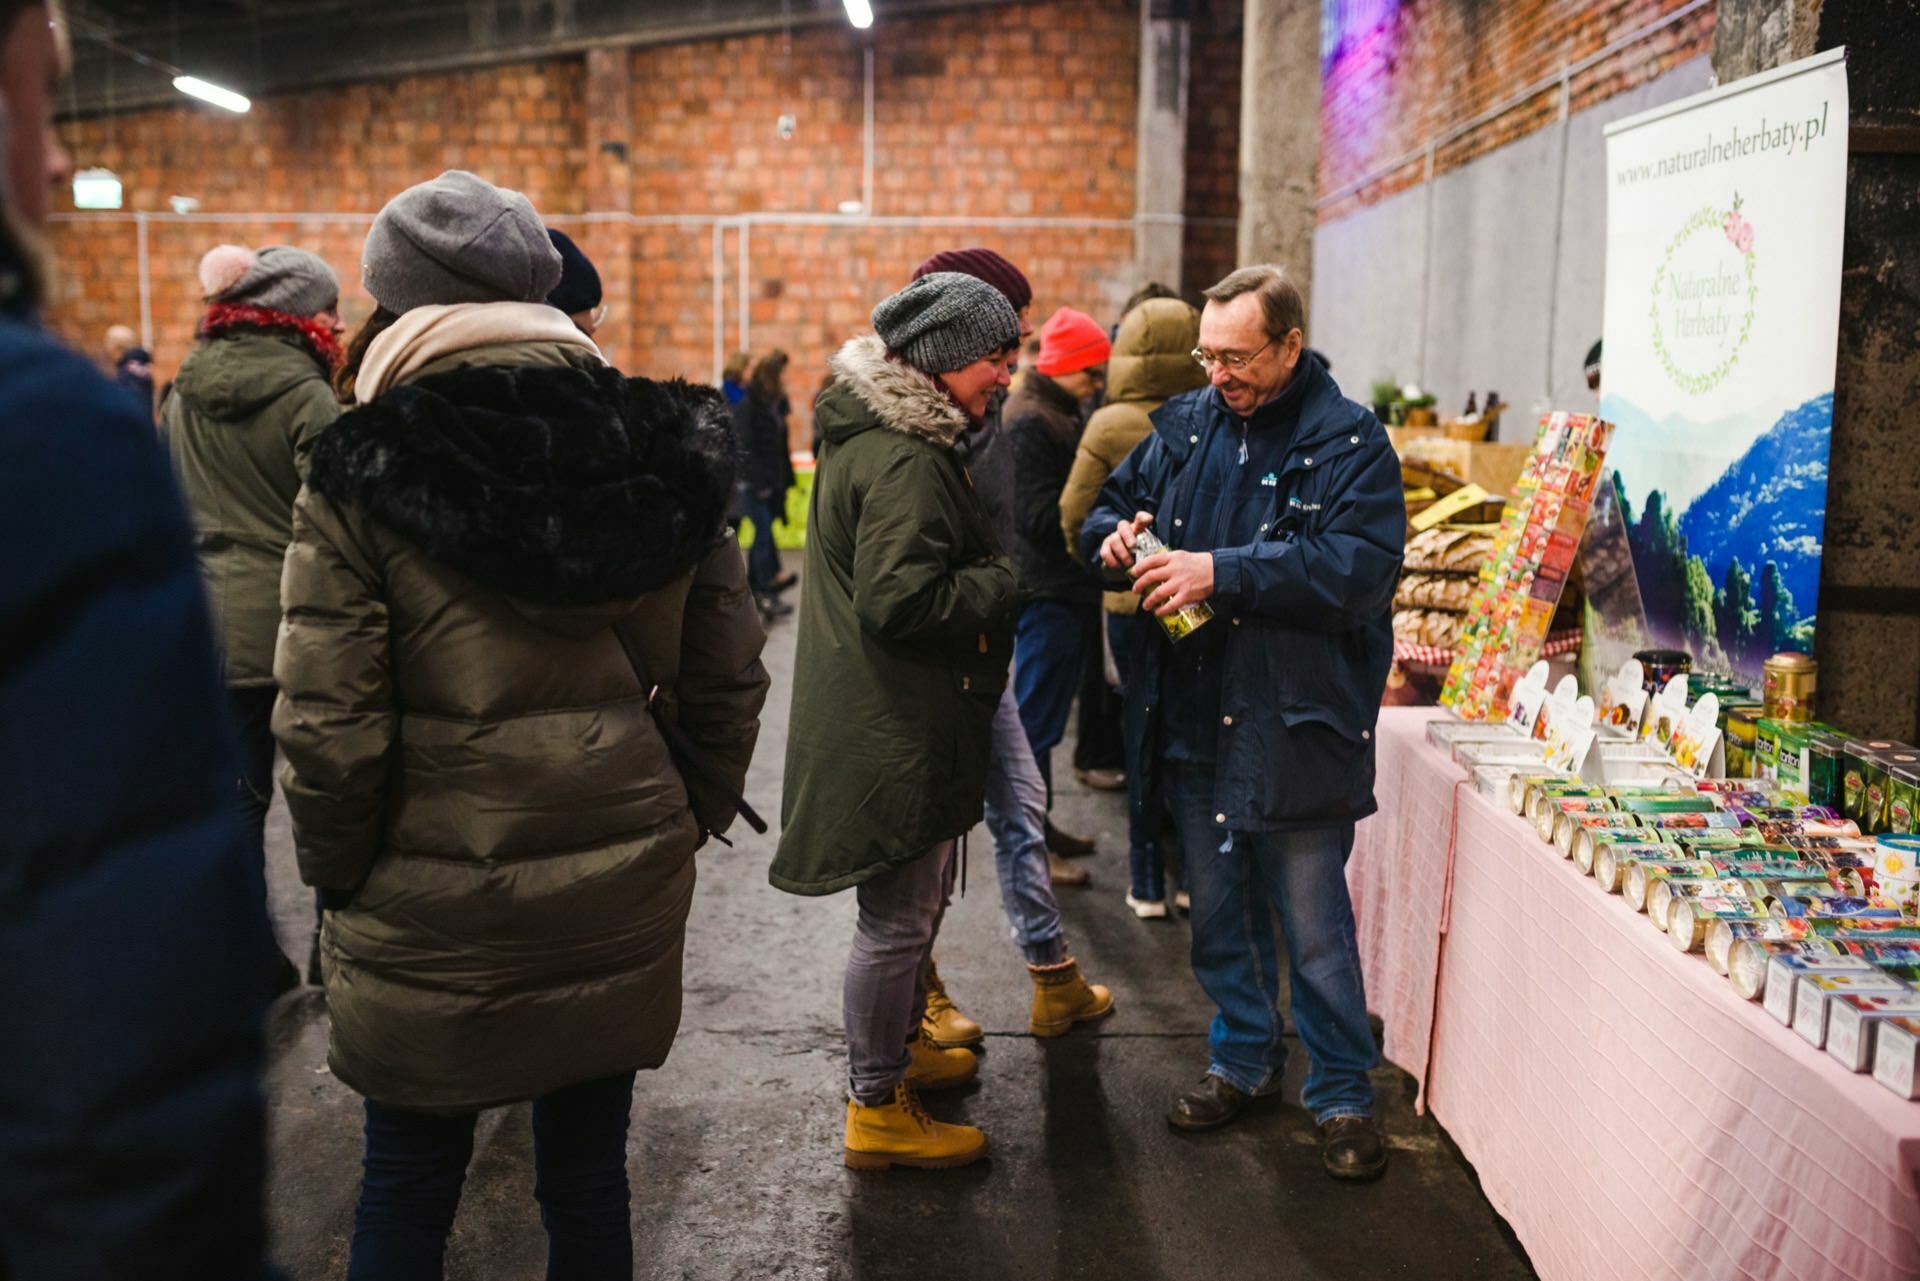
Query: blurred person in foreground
[
  {"x": 132, "y": 1131},
  {"x": 1279, "y": 500}
]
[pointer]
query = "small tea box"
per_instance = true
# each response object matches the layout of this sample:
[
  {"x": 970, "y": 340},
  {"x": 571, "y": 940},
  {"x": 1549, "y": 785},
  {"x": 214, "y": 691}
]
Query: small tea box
[
  {"x": 1814, "y": 993},
  {"x": 1896, "y": 1056},
  {"x": 1785, "y": 972},
  {"x": 1852, "y": 1020}
]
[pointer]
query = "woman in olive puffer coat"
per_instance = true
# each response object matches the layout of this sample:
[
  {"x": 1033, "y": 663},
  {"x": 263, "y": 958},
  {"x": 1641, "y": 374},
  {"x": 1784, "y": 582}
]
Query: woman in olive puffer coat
[{"x": 476, "y": 781}]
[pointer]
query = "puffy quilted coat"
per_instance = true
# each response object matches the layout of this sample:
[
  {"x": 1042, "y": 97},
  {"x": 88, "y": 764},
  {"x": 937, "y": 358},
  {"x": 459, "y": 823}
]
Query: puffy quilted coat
[{"x": 474, "y": 776}]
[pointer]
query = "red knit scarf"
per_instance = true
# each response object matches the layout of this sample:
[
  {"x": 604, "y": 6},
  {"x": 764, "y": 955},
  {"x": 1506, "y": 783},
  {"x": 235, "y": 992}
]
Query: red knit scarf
[{"x": 224, "y": 317}]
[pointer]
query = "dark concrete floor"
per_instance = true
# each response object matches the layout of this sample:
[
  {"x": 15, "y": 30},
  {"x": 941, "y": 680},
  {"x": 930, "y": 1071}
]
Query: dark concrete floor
[{"x": 735, "y": 1150}]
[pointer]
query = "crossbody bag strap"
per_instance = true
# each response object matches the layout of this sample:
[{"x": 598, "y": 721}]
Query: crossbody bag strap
[{"x": 688, "y": 756}]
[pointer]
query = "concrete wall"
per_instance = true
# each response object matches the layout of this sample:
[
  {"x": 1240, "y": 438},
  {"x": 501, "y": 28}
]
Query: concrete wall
[{"x": 1446, "y": 283}]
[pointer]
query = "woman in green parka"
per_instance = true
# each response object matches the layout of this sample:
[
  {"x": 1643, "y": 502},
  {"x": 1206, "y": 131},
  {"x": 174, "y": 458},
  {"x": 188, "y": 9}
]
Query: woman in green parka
[
  {"x": 905, "y": 635},
  {"x": 250, "y": 399},
  {"x": 477, "y": 779}
]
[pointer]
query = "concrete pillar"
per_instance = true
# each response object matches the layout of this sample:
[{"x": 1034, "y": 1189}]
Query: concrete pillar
[
  {"x": 1160, "y": 169},
  {"x": 608, "y": 188},
  {"x": 1868, "y": 639},
  {"x": 1280, "y": 137}
]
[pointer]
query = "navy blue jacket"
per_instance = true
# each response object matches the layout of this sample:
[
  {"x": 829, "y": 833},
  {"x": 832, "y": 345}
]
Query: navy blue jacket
[
  {"x": 132, "y": 915},
  {"x": 1308, "y": 607}
]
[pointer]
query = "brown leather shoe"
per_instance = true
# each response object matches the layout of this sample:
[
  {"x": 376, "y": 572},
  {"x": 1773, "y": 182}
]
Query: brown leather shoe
[
  {"x": 1350, "y": 1148},
  {"x": 1061, "y": 872},
  {"x": 1208, "y": 1105},
  {"x": 1067, "y": 844}
]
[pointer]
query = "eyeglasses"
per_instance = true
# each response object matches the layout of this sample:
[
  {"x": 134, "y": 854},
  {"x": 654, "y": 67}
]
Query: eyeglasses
[{"x": 1232, "y": 361}]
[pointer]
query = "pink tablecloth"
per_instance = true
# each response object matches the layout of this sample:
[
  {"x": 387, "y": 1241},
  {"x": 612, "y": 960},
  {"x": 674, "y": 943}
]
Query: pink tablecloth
[
  {"x": 1398, "y": 878},
  {"x": 1624, "y": 1111}
]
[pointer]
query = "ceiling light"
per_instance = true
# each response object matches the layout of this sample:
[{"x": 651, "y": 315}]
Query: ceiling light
[
  {"x": 859, "y": 13},
  {"x": 194, "y": 87},
  {"x": 96, "y": 189}
]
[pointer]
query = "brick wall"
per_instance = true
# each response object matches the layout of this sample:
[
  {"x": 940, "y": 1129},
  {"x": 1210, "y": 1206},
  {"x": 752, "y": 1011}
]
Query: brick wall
[
  {"x": 1022, "y": 113},
  {"x": 1213, "y": 144},
  {"x": 1396, "y": 75}
]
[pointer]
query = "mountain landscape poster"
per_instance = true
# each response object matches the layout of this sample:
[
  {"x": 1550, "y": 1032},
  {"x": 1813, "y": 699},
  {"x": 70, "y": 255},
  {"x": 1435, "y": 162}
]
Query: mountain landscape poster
[{"x": 1724, "y": 222}]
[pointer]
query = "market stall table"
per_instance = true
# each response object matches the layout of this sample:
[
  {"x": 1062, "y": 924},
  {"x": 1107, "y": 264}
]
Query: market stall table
[{"x": 1624, "y": 1110}]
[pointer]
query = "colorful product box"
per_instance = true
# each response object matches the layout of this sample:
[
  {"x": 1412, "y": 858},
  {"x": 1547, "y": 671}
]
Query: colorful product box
[
  {"x": 1896, "y": 1056},
  {"x": 1814, "y": 993},
  {"x": 1785, "y": 972},
  {"x": 1853, "y": 1019}
]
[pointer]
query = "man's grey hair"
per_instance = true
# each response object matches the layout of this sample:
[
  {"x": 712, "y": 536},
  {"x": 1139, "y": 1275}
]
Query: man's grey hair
[{"x": 1280, "y": 301}]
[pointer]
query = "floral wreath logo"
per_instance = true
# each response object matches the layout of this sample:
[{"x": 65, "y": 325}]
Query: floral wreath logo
[{"x": 1739, "y": 233}]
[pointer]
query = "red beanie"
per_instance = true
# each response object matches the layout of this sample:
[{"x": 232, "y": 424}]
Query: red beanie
[
  {"x": 982, "y": 264},
  {"x": 1071, "y": 341}
]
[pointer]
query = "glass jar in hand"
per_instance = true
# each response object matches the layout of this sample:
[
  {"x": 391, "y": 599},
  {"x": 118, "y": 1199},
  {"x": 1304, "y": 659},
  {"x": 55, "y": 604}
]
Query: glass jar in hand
[{"x": 1182, "y": 623}]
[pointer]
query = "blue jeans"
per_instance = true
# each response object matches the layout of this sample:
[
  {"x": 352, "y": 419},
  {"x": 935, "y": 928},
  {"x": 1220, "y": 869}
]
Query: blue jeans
[
  {"x": 1017, "y": 817},
  {"x": 763, "y": 558},
  {"x": 1241, "y": 880},
  {"x": 1146, "y": 868},
  {"x": 417, "y": 1161},
  {"x": 1049, "y": 644}
]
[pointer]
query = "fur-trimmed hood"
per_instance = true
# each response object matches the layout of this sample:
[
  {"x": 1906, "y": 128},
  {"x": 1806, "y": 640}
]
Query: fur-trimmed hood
[
  {"x": 898, "y": 396},
  {"x": 559, "y": 487}
]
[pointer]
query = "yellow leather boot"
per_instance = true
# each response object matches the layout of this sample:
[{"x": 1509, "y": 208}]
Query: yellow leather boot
[
  {"x": 944, "y": 1025},
  {"x": 1061, "y": 998},
  {"x": 932, "y": 1068},
  {"x": 899, "y": 1132}
]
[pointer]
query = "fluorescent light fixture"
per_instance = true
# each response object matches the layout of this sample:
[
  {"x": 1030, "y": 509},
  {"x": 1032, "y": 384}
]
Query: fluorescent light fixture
[
  {"x": 859, "y": 13},
  {"x": 195, "y": 87},
  {"x": 96, "y": 189},
  {"x": 851, "y": 206}
]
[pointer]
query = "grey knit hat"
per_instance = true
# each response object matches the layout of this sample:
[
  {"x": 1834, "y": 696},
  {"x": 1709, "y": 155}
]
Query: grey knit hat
[
  {"x": 277, "y": 278},
  {"x": 946, "y": 321},
  {"x": 457, "y": 239}
]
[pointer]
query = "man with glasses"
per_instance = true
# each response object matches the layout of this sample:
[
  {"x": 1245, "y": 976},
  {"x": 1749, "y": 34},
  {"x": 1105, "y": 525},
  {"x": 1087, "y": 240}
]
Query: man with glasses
[{"x": 1279, "y": 501}]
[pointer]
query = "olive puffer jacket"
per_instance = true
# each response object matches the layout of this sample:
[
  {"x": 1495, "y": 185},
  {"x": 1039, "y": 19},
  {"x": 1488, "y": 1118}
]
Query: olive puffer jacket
[
  {"x": 1152, "y": 362},
  {"x": 475, "y": 780},
  {"x": 239, "y": 424},
  {"x": 906, "y": 632}
]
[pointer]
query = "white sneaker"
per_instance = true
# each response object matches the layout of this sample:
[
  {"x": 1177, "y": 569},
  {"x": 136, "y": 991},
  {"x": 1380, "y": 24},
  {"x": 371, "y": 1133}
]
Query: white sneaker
[
  {"x": 1147, "y": 909},
  {"x": 1181, "y": 901}
]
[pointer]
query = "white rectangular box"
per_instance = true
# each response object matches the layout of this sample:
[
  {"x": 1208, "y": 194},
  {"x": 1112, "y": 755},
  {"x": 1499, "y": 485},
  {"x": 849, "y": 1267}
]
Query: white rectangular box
[{"x": 1813, "y": 996}]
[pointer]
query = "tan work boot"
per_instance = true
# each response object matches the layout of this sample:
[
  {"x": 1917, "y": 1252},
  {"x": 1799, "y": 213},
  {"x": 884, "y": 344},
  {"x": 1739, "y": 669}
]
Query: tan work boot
[
  {"x": 1061, "y": 998},
  {"x": 943, "y": 1024},
  {"x": 899, "y": 1132},
  {"x": 932, "y": 1068}
]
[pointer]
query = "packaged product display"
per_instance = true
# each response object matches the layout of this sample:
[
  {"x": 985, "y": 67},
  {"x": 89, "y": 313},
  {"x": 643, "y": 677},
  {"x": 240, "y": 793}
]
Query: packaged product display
[
  {"x": 1798, "y": 879},
  {"x": 1520, "y": 584}
]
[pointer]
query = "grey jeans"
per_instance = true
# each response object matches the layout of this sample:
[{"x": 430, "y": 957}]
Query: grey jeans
[{"x": 885, "y": 995}]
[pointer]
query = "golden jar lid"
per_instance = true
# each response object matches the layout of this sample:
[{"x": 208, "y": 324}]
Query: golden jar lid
[{"x": 1792, "y": 661}]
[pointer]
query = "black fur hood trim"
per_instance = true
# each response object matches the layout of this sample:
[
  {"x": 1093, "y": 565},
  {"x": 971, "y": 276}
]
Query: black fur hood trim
[{"x": 553, "y": 485}]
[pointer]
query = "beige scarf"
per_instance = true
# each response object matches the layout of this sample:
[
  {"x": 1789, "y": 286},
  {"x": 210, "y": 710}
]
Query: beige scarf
[{"x": 427, "y": 334}]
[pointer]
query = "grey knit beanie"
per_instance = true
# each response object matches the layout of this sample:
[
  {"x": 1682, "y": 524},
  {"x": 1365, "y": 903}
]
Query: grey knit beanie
[
  {"x": 458, "y": 239},
  {"x": 946, "y": 321},
  {"x": 277, "y": 278}
]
